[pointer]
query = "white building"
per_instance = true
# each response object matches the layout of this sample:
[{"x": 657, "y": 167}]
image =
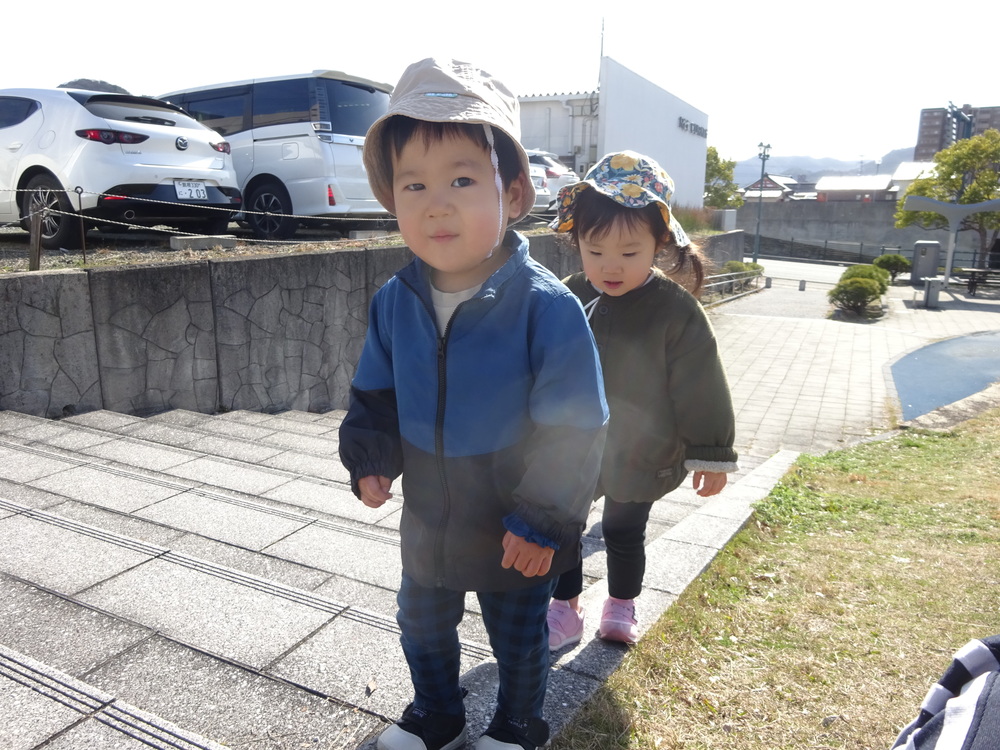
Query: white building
[
  {"x": 908, "y": 171},
  {"x": 627, "y": 112}
]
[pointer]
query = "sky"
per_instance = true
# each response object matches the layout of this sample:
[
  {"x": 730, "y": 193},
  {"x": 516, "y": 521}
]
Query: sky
[{"x": 845, "y": 80}]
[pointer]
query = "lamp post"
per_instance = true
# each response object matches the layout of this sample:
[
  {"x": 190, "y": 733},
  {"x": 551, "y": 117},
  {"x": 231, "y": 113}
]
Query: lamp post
[{"x": 760, "y": 195}]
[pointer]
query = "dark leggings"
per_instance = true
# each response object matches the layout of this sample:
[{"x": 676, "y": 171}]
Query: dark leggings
[{"x": 624, "y": 531}]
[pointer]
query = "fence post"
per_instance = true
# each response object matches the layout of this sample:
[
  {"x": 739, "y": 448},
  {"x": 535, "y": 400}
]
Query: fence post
[
  {"x": 83, "y": 226},
  {"x": 35, "y": 242}
]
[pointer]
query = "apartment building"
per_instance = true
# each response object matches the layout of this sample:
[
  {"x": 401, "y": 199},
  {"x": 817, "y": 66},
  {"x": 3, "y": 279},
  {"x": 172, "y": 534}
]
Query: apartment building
[{"x": 938, "y": 128}]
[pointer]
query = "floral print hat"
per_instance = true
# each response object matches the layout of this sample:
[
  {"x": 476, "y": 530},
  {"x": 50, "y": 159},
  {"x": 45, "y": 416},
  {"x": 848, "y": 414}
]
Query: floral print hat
[{"x": 628, "y": 178}]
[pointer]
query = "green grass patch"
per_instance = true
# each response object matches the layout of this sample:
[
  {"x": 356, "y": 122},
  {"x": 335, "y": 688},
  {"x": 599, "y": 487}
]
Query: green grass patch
[{"x": 823, "y": 622}]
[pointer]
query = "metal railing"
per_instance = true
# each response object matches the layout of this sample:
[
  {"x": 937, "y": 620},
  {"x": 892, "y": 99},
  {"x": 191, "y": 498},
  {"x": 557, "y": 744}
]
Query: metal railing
[{"x": 722, "y": 287}]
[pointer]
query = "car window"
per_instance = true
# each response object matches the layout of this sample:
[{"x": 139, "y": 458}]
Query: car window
[
  {"x": 14, "y": 110},
  {"x": 282, "y": 102},
  {"x": 349, "y": 108},
  {"x": 222, "y": 110},
  {"x": 130, "y": 111}
]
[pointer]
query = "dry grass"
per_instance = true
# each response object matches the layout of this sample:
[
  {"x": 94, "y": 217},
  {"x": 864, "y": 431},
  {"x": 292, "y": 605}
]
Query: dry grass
[{"x": 822, "y": 624}]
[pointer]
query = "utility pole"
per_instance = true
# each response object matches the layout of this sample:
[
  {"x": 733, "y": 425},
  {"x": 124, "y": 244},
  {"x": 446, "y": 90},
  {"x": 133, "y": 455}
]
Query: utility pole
[{"x": 763, "y": 156}]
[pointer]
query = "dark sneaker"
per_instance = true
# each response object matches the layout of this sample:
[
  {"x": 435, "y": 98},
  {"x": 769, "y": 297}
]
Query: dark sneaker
[
  {"x": 507, "y": 733},
  {"x": 419, "y": 730}
]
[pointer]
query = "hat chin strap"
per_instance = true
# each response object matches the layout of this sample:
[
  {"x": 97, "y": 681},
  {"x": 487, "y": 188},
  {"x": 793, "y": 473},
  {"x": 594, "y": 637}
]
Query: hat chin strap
[{"x": 499, "y": 183}]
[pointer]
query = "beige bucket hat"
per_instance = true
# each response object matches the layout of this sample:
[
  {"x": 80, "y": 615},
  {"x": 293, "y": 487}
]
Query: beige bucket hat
[{"x": 437, "y": 90}]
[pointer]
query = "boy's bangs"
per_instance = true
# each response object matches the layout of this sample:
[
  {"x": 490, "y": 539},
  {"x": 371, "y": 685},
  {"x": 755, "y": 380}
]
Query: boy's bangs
[{"x": 400, "y": 130}]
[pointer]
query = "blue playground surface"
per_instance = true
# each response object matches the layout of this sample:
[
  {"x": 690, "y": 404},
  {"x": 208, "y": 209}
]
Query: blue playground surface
[{"x": 946, "y": 371}]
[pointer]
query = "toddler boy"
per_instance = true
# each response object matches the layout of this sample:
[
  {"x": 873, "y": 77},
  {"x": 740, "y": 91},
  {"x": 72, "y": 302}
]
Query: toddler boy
[{"x": 480, "y": 384}]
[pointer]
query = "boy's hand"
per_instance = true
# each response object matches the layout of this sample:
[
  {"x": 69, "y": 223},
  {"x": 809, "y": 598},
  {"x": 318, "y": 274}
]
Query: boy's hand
[
  {"x": 526, "y": 557},
  {"x": 710, "y": 482},
  {"x": 374, "y": 490}
]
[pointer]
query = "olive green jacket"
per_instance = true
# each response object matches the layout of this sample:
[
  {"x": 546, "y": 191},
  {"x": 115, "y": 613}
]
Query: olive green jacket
[{"x": 671, "y": 410}]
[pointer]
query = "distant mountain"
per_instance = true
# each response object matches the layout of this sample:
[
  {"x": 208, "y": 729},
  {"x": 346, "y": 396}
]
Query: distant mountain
[{"x": 810, "y": 169}]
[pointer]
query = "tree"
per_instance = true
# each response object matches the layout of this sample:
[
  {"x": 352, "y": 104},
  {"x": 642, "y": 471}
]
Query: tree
[
  {"x": 894, "y": 263},
  {"x": 967, "y": 172},
  {"x": 854, "y": 294},
  {"x": 867, "y": 271},
  {"x": 720, "y": 190}
]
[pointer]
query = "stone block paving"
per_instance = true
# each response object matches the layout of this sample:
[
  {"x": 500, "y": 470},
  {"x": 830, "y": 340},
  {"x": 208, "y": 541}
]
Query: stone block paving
[{"x": 194, "y": 581}]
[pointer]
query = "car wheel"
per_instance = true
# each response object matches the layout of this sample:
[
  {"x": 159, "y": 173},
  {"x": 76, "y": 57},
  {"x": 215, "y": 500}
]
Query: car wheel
[
  {"x": 59, "y": 230},
  {"x": 267, "y": 212}
]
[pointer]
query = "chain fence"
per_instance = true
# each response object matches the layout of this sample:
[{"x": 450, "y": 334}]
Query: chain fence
[
  {"x": 78, "y": 193},
  {"x": 378, "y": 221},
  {"x": 314, "y": 232}
]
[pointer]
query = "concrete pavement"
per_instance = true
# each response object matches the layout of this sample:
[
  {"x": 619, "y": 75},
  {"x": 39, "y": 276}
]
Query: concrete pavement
[{"x": 192, "y": 581}]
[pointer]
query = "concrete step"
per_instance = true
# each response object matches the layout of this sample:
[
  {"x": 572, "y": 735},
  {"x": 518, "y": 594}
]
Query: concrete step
[
  {"x": 291, "y": 477},
  {"x": 174, "y": 578},
  {"x": 191, "y": 603},
  {"x": 79, "y": 714}
]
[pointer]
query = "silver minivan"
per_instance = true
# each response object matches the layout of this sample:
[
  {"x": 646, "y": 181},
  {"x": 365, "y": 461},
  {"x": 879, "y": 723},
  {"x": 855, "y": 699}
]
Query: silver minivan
[{"x": 296, "y": 145}]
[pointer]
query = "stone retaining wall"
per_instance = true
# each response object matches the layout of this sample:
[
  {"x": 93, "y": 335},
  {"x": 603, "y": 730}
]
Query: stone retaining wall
[
  {"x": 263, "y": 333},
  {"x": 845, "y": 225}
]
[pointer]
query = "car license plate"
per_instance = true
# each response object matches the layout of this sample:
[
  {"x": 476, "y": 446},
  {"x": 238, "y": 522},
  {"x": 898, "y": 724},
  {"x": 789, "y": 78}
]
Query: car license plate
[{"x": 190, "y": 190}]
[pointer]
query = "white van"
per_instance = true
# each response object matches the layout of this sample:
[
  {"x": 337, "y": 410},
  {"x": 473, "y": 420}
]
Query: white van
[{"x": 296, "y": 144}]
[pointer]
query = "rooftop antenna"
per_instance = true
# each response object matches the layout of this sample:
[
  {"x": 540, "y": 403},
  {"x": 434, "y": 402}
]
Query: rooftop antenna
[{"x": 600, "y": 57}]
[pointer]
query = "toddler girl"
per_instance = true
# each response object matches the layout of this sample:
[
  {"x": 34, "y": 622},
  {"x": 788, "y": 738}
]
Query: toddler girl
[{"x": 671, "y": 410}]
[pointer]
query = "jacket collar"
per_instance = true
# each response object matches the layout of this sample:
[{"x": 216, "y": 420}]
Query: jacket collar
[{"x": 417, "y": 273}]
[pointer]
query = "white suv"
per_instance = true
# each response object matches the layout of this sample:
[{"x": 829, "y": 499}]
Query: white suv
[
  {"x": 111, "y": 157},
  {"x": 557, "y": 173},
  {"x": 297, "y": 143}
]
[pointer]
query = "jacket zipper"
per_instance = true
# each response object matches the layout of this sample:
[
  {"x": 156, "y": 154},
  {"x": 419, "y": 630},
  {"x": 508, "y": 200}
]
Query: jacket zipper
[
  {"x": 442, "y": 346},
  {"x": 439, "y": 558}
]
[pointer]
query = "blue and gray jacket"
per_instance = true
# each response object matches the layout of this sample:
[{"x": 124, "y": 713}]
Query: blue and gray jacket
[{"x": 496, "y": 425}]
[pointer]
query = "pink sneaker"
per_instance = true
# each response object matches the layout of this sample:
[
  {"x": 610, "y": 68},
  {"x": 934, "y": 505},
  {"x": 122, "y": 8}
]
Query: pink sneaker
[
  {"x": 565, "y": 625},
  {"x": 618, "y": 621}
]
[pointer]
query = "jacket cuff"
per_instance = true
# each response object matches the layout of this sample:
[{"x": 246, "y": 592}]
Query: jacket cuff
[
  {"x": 360, "y": 472},
  {"x": 715, "y": 467},
  {"x": 518, "y": 527}
]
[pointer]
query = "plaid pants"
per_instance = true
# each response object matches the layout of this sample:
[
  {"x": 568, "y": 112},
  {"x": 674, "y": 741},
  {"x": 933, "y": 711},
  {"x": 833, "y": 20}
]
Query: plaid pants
[{"x": 519, "y": 637}]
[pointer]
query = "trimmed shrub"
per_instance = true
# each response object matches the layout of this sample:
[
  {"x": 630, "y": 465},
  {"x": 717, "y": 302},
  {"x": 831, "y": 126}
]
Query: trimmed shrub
[
  {"x": 893, "y": 263},
  {"x": 866, "y": 271},
  {"x": 855, "y": 294}
]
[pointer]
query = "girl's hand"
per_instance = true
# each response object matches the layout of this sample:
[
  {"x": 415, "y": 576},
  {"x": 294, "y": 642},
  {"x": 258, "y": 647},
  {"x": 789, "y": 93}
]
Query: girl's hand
[
  {"x": 526, "y": 557},
  {"x": 709, "y": 482},
  {"x": 374, "y": 490}
]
